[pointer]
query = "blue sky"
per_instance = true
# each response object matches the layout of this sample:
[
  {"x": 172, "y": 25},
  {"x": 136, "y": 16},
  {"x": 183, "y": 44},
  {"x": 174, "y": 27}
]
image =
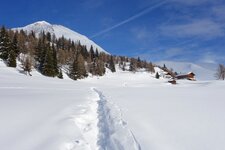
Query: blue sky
[{"x": 180, "y": 30}]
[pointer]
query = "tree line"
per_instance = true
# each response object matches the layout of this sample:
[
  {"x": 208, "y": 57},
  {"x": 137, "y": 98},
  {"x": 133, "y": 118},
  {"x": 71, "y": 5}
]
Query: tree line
[{"x": 51, "y": 56}]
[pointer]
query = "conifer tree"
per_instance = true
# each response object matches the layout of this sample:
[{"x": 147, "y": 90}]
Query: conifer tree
[
  {"x": 55, "y": 63},
  {"x": 22, "y": 42},
  {"x": 77, "y": 68},
  {"x": 40, "y": 54},
  {"x": 81, "y": 65},
  {"x": 12, "y": 59},
  {"x": 164, "y": 66},
  {"x": 157, "y": 75},
  {"x": 100, "y": 68},
  {"x": 139, "y": 65},
  {"x": 112, "y": 65},
  {"x": 73, "y": 70},
  {"x": 48, "y": 65},
  {"x": 48, "y": 37},
  {"x": 92, "y": 53},
  {"x": 133, "y": 65},
  {"x": 5, "y": 44},
  {"x": 84, "y": 52},
  {"x": 96, "y": 53},
  {"x": 15, "y": 46},
  {"x": 124, "y": 66}
]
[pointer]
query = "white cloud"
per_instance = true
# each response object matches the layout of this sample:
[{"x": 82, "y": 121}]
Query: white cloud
[{"x": 205, "y": 28}]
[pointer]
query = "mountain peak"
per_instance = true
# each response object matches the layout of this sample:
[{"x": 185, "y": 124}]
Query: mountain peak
[
  {"x": 42, "y": 23},
  {"x": 59, "y": 31}
]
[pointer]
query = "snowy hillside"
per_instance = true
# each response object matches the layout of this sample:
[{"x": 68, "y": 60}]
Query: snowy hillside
[
  {"x": 202, "y": 71},
  {"x": 60, "y": 31},
  {"x": 119, "y": 111}
]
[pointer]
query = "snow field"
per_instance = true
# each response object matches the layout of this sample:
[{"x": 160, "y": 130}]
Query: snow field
[
  {"x": 44, "y": 113},
  {"x": 86, "y": 120},
  {"x": 185, "y": 116}
]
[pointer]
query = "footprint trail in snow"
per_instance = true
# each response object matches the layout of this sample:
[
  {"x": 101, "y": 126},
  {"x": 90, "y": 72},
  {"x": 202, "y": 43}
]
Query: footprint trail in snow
[
  {"x": 102, "y": 127},
  {"x": 113, "y": 131}
]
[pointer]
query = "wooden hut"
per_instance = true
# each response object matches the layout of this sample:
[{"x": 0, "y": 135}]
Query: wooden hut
[{"x": 189, "y": 76}]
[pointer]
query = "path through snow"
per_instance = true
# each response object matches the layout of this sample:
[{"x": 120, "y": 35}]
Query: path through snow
[
  {"x": 102, "y": 127},
  {"x": 113, "y": 131}
]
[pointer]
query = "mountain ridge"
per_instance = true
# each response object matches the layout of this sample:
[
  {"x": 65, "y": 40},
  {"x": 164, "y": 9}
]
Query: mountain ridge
[{"x": 59, "y": 31}]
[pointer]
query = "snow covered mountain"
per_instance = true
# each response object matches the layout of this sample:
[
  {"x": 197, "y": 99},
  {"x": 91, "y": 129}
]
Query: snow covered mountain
[
  {"x": 202, "y": 71},
  {"x": 60, "y": 31}
]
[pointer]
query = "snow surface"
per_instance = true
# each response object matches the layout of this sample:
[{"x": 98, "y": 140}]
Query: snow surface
[
  {"x": 120, "y": 111},
  {"x": 60, "y": 31},
  {"x": 203, "y": 71}
]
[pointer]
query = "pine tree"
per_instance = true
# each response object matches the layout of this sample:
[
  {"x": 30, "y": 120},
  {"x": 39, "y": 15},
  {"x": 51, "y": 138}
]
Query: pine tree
[
  {"x": 48, "y": 65},
  {"x": 55, "y": 63},
  {"x": 15, "y": 46},
  {"x": 4, "y": 44},
  {"x": 112, "y": 65},
  {"x": 124, "y": 66},
  {"x": 133, "y": 65},
  {"x": 164, "y": 66},
  {"x": 100, "y": 68},
  {"x": 81, "y": 66},
  {"x": 92, "y": 53},
  {"x": 23, "y": 42},
  {"x": 73, "y": 70},
  {"x": 96, "y": 53},
  {"x": 157, "y": 75},
  {"x": 77, "y": 68},
  {"x": 12, "y": 59},
  {"x": 139, "y": 63},
  {"x": 40, "y": 54},
  {"x": 37, "y": 54},
  {"x": 84, "y": 52},
  {"x": 48, "y": 37}
]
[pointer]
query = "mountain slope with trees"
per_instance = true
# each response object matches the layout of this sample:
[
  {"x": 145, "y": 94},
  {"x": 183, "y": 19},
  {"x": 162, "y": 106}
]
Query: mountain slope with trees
[{"x": 50, "y": 55}]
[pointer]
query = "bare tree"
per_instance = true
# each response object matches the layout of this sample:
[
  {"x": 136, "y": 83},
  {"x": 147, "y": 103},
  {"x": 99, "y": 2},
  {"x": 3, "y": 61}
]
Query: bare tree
[
  {"x": 220, "y": 74},
  {"x": 27, "y": 64}
]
